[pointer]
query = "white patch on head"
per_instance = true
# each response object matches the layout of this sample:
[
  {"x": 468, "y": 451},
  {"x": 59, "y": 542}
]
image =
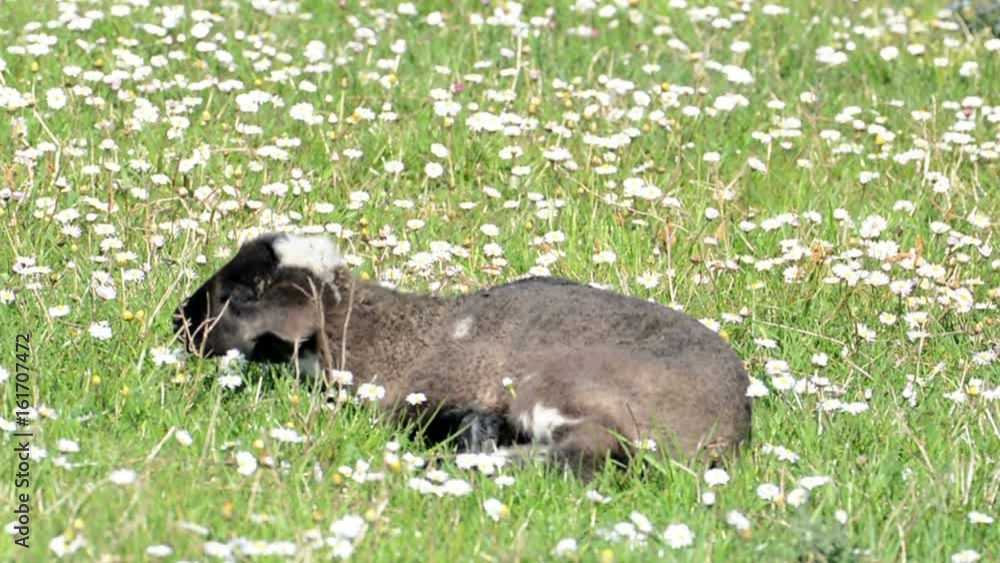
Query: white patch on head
[
  {"x": 318, "y": 254},
  {"x": 542, "y": 421},
  {"x": 462, "y": 328}
]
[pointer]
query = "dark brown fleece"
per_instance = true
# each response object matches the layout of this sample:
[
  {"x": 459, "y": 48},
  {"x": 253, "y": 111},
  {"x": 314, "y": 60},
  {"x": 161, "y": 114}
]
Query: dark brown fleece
[{"x": 600, "y": 359}]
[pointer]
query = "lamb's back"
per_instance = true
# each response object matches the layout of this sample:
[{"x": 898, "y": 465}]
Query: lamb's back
[{"x": 541, "y": 312}]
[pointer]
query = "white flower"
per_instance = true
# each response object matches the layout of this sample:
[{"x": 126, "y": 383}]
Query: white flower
[
  {"x": 641, "y": 522},
  {"x": 872, "y": 226},
  {"x": 122, "y": 477},
  {"x": 495, "y": 509},
  {"x": 605, "y": 257},
  {"x": 776, "y": 367},
  {"x": 340, "y": 549},
  {"x": 67, "y": 446},
  {"x": 456, "y": 487},
  {"x": 59, "y": 311},
  {"x": 100, "y": 330},
  {"x": 232, "y": 362},
  {"x": 492, "y": 249},
  {"x": 288, "y": 435},
  {"x": 980, "y": 518},
  {"x": 716, "y": 477},
  {"x": 856, "y": 407},
  {"x": 756, "y": 388},
  {"x": 647, "y": 444},
  {"x": 218, "y": 549},
  {"x": 768, "y": 343},
  {"x": 416, "y": 398},
  {"x": 649, "y": 280},
  {"x": 504, "y": 481},
  {"x": 598, "y": 497},
  {"x": 866, "y": 177},
  {"x": 781, "y": 452},
  {"x": 737, "y": 520},
  {"x": 230, "y": 381},
  {"x": 371, "y": 392},
  {"x": 350, "y": 527},
  {"x": 768, "y": 491},
  {"x": 159, "y": 550},
  {"x": 965, "y": 556},
  {"x": 183, "y": 437},
  {"x": 62, "y": 547},
  {"x": 797, "y": 496},
  {"x": 439, "y": 150},
  {"x": 783, "y": 382},
  {"x": 814, "y": 481},
  {"x": 433, "y": 170},
  {"x": 566, "y": 546},
  {"x": 435, "y": 19},
  {"x": 246, "y": 463},
  {"x": 678, "y": 536},
  {"x": 978, "y": 220},
  {"x": 393, "y": 166},
  {"x": 341, "y": 377},
  {"x": 304, "y": 112},
  {"x": 56, "y": 98},
  {"x": 163, "y": 356}
]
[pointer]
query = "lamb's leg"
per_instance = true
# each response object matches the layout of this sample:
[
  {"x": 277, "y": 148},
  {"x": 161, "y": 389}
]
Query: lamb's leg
[
  {"x": 474, "y": 430},
  {"x": 479, "y": 432},
  {"x": 582, "y": 448}
]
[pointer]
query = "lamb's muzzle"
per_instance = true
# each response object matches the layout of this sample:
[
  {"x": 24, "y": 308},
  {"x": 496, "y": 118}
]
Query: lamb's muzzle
[{"x": 588, "y": 372}]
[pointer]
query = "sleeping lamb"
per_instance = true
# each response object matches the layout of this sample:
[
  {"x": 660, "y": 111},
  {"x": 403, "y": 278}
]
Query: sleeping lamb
[{"x": 582, "y": 373}]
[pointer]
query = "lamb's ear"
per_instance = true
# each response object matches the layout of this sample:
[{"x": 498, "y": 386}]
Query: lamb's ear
[
  {"x": 343, "y": 279},
  {"x": 316, "y": 253}
]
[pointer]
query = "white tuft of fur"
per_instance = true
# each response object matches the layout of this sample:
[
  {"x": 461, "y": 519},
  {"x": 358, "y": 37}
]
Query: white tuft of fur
[
  {"x": 542, "y": 421},
  {"x": 462, "y": 328},
  {"x": 318, "y": 254}
]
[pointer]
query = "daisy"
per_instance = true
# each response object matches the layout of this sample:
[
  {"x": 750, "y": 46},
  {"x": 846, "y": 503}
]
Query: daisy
[
  {"x": 122, "y": 477},
  {"x": 495, "y": 509},
  {"x": 100, "y": 330},
  {"x": 287, "y": 435},
  {"x": 246, "y": 463},
  {"x": 59, "y": 311},
  {"x": 678, "y": 536},
  {"x": 371, "y": 392}
]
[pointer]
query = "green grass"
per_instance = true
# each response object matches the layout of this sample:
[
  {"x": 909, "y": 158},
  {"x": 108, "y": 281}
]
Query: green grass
[{"x": 903, "y": 477}]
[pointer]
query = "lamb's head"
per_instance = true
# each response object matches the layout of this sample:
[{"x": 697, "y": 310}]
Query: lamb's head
[{"x": 269, "y": 298}]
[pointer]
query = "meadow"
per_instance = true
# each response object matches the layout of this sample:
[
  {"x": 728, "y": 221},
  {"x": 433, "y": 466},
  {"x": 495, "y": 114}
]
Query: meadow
[{"x": 816, "y": 181}]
